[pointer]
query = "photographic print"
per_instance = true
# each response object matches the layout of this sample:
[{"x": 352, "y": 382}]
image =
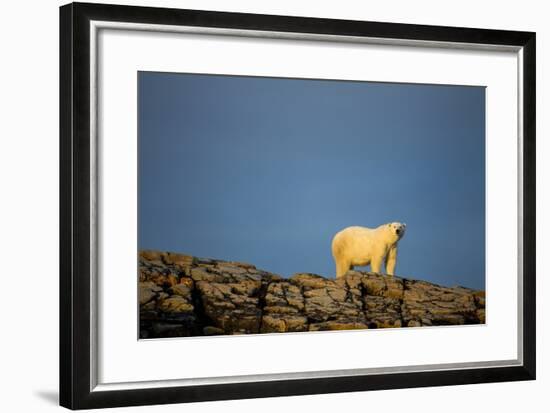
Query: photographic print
[
  {"x": 280, "y": 205},
  {"x": 310, "y": 187}
]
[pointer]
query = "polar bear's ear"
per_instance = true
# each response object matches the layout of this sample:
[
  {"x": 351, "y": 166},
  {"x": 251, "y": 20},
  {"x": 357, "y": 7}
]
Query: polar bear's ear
[{"x": 405, "y": 225}]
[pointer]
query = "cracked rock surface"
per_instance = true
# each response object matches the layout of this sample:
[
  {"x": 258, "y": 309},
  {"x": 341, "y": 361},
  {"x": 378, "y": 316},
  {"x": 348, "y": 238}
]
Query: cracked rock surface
[{"x": 180, "y": 295}]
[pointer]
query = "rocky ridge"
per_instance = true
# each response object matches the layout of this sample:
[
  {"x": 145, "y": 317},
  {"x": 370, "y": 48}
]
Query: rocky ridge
[{"x": 181, "y": 295}]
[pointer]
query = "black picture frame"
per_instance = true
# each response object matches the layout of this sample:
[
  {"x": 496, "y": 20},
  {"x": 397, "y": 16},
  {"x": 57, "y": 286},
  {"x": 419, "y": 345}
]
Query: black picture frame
[{"x": 75, "y": 219}]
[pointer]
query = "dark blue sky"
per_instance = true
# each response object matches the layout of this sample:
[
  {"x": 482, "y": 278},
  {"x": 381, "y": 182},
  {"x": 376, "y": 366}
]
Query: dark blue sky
[{"x": 267, "y": 170}]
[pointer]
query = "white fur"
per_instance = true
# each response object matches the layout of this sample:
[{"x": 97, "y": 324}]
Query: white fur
[{"x": 363, "y": 246}]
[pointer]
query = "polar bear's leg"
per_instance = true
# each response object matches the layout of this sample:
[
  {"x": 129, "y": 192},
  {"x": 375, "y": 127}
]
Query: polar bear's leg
[
  {"x": 340, "y": 255},
  {"x": 342, "y": 267},
  {"x": 376, "y": 263},
  {"x": 391, "y": 260}
]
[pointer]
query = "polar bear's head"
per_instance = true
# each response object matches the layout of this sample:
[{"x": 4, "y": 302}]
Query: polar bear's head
[{"x": 397, "y": 229}]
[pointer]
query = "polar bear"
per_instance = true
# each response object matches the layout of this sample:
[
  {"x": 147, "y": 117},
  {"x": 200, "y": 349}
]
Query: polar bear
[{"x": 363, "y": 246}]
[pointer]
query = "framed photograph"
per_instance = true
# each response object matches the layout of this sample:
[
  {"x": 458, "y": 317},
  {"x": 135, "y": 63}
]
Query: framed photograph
[{"x": 257, "y": 206}]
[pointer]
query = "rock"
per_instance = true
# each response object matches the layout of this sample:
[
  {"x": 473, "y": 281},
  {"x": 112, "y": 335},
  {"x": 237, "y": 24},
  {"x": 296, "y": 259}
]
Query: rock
[
  {"x": 176, "y": 304},
  {"x": 231, "y": 307},
  {"x": 479, "y": 299},
  {"x": 337, "y": 325},
  {"x": 150, "y": 306},
  {"x": 203, "y": 274},
  {"x": 353, "y": 280},
  {"x": 226, "y": 268},
  {"x": 187, "y": 281},
  {"x": 284, "y": 295},
  {"x": 284, "y": 304},
  {"x": 481, "y": 315},
  {"x": 181, "y": 295},
  {"x": 310, "y": 281},
  {"x": 225, "y": 273},
  {"x": 179, "y": 260},
  {"x": 147, "y": 292},
  {"x": 383, "y": 286},
  {"x": 439, "y": 305},
  {"x": 339, "y": 302},
  {"x": 242, "y": 265},
  {"x": 212, "y": 331},
  {"x": 282, "y": 323},
  {"x": 164, "y": 280},
  {"x": 382, "y": 312},
  {"x": 206, "y": 260},
  {"x": 151, "y": 255},
  {"x": 172, "y": 279},
  {"x": 182, "y": 290},
  {"x": 162, "y": 329}
]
